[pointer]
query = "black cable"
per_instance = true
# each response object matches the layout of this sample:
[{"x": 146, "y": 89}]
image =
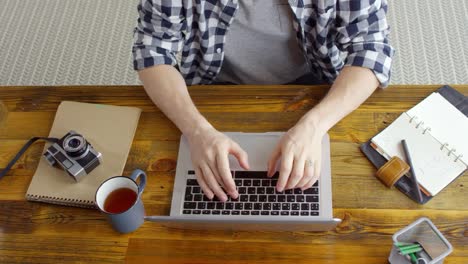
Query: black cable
[{"x": 22, "y": 150}]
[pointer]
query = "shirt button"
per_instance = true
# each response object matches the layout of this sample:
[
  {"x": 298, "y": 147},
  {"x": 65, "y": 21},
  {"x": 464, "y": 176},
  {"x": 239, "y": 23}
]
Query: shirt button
[{"x": 218, "y": 50}]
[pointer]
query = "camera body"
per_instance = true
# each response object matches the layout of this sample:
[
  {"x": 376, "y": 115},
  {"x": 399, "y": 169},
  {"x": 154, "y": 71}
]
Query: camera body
[{"x": 73, "y": 154}]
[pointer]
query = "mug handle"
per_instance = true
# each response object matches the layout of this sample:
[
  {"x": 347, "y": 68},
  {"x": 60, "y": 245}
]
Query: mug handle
[{"x": 137, "y": 173}]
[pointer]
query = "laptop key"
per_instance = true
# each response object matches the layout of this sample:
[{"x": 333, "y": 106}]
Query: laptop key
[
  {"x": 188, "y": 197},
  {"x": 314, "y": 206},
  {"x": 245, "y": 212},
  {"x": 295, "y": 213},
  {"x": 186, "y": 212},
  {"x": 270, "y": 190},
  {"x": 205, "y": 212},
  {"x": 196, "y": 212},
  {"x": 256, "y": 182},
  {"x": 276, "y": 206},
  {"x": 314, "y": 213},
  {"x": 289, "y": 191},
  {"x": 216, "y": 212},
  {"x": 274, "y": 212},
  {"x": 295, "y": 206},
  {"x": 312, "y": 198},
  {"x": 253, "y": 198},
  {"x": 206, "y": 199},
  {"x": 281, "y": 198},
  {"x": 262, "y": 198},
  {"x": 315, "y": 184},
  {"x": 244, "y": 198},
  {"x": 242, "y": 190},
  {"x": 260, "y": 190},
  {"x": 219, "y": 205},
  {"x": 191, "y": 172},
  {"x": 192, "y": 182},
  {"x": 284, "y": 213},
  {"x": 229, "y": 206},
  {"x": 300, "y": 198},
  {"x": 238, "y": 182},
  {"x": 239, "y": 206},
  {"x": 257, "y": 206},
  {"x": 247, "y": 183},
  {"x": 312, "y": 190},
  {"x": 196, "y": 190},
  {"x": 265, "y": 213},
  {"x": 285, "y": 206},
  {"x": 251, "y": 190},
  {"x": 210, "y": 205},
  {"x": 251, "y": 174},
  {"x": 305, "y": 207},
  {"x": 255, "y": 213},
  {"x": 235, "y": 212},
  {"x": 265, "y": 182},
  {"x": 190, "y": 205},
  {"x": 273, "y": 182},
  {"x": 248, "y": 206},
  {"x": 291, "y": 198},
  {"x": 272, "y": 198},
  {"x": 188, "y": 190},
  {"x": 304, "y": 213},
  {"x": 201, "y": 205},
  {"x": 267, "y": 206},
  {"x": 297, "y": 191},
  {"x": 197, "y": 197},
  {"x": 225, "y": 212}
]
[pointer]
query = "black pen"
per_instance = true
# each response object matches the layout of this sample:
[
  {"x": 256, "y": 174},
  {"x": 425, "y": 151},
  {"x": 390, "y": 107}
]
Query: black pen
[{"x": 413, "y": 175}]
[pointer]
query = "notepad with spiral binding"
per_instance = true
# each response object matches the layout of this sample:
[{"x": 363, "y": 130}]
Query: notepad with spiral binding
[
  {"x": 109, "y": 129},
  {"x": 437, "y": 129}
]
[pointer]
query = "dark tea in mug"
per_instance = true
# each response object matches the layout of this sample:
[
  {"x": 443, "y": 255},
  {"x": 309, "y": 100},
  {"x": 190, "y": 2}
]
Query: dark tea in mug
[{"x": 120, "y": 200}]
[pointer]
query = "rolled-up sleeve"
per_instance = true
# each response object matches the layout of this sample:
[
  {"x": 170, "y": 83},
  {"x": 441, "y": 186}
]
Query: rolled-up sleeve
[
  {"x": 159, "y": 33},
  {"x": 363, "y": 33}
]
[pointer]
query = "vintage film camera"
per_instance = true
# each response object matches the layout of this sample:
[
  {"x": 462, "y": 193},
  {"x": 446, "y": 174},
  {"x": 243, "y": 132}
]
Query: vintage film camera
[{"x": 74, "y": 154}]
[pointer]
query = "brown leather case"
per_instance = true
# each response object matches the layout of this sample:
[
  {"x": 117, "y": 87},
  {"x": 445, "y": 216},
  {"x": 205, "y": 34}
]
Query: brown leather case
[{"x": 392, "y": 171}]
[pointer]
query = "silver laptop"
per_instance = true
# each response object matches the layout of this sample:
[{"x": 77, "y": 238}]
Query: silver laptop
[{"x": 259, "y": 206}]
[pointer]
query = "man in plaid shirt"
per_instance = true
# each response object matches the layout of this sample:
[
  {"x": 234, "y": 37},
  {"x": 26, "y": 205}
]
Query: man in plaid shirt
[{"x": 186, "y": 42}]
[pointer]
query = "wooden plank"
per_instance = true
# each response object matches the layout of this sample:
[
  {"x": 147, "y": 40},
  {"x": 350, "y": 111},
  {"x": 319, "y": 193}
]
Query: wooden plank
[
  {"x": 232, "y": 98},
  {"x": 365, "y": 235},
  {"x": 357, "y": 127},
  {"x": 353, "y": 181},
  {"x": 21, "y": 248}
]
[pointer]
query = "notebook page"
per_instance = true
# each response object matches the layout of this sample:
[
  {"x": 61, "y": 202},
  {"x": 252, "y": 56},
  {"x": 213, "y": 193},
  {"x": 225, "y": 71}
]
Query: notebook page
[
  {"x": 434, "y": 169},
  {"x": 447, "y": 123}
]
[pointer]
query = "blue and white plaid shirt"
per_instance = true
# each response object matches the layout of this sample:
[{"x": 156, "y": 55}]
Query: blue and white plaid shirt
[{"x": 190, "y": 35}]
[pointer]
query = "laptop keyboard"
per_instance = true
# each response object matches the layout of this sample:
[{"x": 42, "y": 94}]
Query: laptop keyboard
[{"x": 257, "y": 196}]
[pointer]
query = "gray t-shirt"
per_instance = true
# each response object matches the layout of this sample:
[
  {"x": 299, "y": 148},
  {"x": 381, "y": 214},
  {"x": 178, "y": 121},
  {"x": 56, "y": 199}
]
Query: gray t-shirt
[{"x": 261, "y": 45}]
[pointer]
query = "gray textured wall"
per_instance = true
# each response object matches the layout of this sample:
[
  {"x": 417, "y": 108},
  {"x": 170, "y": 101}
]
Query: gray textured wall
[{"x": 88, "y": 42}]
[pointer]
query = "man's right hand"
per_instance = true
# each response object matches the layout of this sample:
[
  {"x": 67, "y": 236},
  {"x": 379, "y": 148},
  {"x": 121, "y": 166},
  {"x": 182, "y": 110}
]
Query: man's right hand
[{"x": 209, "y": 150}]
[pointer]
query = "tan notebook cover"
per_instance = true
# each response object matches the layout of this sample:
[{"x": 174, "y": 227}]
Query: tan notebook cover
[{"x": 109, "y": 129}]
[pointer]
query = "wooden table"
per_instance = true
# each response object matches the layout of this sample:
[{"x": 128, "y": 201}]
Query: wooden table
[{"x": 36, "y": 232}]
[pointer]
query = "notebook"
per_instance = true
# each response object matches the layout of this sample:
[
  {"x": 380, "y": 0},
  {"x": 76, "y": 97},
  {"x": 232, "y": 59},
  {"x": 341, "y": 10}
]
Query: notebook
[
  {"x": 109, "y": 129},
  {"x": 436, "y": 134}
]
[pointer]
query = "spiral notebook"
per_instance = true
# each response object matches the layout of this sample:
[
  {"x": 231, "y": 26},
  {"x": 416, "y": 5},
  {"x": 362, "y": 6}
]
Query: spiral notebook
[
  {"x": 436, "y": 133},
  {"x": 109, "y": 129}
]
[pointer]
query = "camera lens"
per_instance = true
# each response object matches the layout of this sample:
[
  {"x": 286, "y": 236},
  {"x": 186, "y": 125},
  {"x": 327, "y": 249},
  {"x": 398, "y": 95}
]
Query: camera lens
[{"x": 75, "y": 145}]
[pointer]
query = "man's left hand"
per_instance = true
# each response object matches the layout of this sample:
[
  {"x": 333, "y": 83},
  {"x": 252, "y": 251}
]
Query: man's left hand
[{"x": 300, "y": 151}]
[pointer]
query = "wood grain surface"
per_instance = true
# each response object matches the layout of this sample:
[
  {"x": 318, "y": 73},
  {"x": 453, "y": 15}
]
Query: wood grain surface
[{"x": 42, "y": 233}]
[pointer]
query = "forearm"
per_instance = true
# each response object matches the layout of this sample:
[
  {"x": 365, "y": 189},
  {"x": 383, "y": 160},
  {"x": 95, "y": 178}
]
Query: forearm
[
  {"x": 352, "y": 87},
  {"x": 167, "y": 89}
]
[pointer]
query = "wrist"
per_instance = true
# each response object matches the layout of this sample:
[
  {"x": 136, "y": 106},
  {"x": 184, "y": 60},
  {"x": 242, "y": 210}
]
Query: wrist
[
  {"x": 313, "y": 121},
  {"x": 198, "y": 126}
]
